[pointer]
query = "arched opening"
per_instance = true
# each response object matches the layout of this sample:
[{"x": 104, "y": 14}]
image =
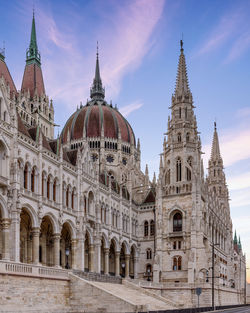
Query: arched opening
[
  {"x": 46, "y": 245},
  {"x": 149, "y": 273},
  {"x": 177, "y": 222},
  {"x": 132, "y": 263},
  {"x": 25, "y": 176},
  {"x": 149, "y": 254},
  {"x": 112, "y": 258},
  {"x": 66, "y": 247},
  {"x": 25, "y": 237},
  {"x": 178, "y": 170},
  {"x": 179, "y": 137},
  {"x": 3, "y": 160},
  {"x": 152, "y": 228},
  {"x": 145, "y": 228},
  {"x": 87, "y": 253},
  {"x": 54, "y": 190},
  {"x": 122, "y": 260},
  {"x": 102, "y": 256},
  {"x": 187, "y": 137},
  {"x": 67, "y": 196},
  {"x": 177, "y": 260},
  {"x": 91, "y": 203},
  {"x": 33, "y": 175}
]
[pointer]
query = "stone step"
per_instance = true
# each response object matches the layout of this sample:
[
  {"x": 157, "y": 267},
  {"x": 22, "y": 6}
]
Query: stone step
[{"x": 134, "y": 296}]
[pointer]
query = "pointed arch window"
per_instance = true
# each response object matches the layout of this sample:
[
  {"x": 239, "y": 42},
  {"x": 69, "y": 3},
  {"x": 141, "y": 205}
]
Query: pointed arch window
[
  {"x": 54, "y": 190},
  {"x": 187, "y": 137},
  {"x": 179, "y": 112},
  {"x": 152, "y": 228},
  {"x": 177, "y": 260},
  {"x": 177, "y": 222},
  {"x": 178, "y": 170},
  {"x": 149, "y": 254},
  {"x": 145, "y": 228},
  {"x": 179, "y": 137},
  {"x": 33, "y": 179},
  {"x": 25, "y": 176}
]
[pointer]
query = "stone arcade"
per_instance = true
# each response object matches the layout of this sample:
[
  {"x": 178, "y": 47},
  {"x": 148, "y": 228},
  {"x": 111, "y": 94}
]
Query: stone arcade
[{"x": 77, "y": 213}]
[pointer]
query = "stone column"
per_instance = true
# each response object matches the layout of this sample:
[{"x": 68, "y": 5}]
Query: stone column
[
  {"x": 80, "y": 257},
  {"x": 56, "y": 239},
  {"x": 135, "y": 267},
  {"x": 127, "y": 257},
  {"x": 73, "y": 251},
  {"x": 6, "y": 239},
  {"x": 91, "y": 256},
  {"x": 35, "y": 244},
  {"x": 117, "y": 263},
  {"x": 97, "y": 260},
  {"x": 106, "y": 261}
]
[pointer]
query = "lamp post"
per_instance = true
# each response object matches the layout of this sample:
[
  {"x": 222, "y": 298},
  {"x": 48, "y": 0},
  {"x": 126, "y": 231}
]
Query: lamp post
[
  {"x": 67, "y": 258},
  {"x": 148, "y": 274},
  {"x": 123, "y": 269}
]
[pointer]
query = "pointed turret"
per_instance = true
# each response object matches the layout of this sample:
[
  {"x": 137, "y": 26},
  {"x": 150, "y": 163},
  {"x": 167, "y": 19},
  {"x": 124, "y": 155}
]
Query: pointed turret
[
  {"x": 4, "y": 72},
  {"x": 215, "y": 152},
  {"x": 182, "y": 87},
  {"x": 97, "y": 92},
  {"x": 235, "y": 238},
  {"x": 239, "y": 244},
  {"x": 33, "y": 77}
]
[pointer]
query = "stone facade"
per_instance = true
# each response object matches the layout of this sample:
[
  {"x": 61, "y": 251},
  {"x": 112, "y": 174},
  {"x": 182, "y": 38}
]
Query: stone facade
[{"x": 82, "y": 202}]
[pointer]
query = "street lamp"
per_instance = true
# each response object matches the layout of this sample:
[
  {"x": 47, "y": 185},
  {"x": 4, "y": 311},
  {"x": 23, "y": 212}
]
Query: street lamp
[
  {"x": 148, "y": 274},
  {"x": 67, "y": 258},
  {"x": 123, "y": 269}
]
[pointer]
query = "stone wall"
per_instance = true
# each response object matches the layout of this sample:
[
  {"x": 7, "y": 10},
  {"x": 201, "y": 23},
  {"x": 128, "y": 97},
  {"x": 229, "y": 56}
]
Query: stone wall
[{"x": 30, "y": 294}]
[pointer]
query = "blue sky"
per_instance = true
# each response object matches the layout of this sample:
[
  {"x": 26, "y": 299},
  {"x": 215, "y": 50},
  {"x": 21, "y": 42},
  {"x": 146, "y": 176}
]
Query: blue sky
[{"x": 139, "y": 49}]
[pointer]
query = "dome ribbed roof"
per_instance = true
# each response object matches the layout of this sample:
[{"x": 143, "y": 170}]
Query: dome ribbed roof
[{"x": 91, "y": 118}]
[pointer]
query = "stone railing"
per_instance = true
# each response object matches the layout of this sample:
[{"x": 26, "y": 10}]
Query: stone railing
[
  {"x": 23, "y": 269},
  {"x": 98, "y": 277}
]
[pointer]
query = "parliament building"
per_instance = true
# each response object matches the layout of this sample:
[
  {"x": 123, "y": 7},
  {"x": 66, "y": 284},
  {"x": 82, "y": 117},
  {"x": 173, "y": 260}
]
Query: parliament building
[{"x": 84, "y": 229}]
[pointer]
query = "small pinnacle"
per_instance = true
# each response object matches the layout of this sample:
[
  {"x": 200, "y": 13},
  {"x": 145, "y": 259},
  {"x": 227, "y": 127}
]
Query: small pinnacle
[
  {"x": 181, "y": 43},
  {"x": 215, "y": 126}
]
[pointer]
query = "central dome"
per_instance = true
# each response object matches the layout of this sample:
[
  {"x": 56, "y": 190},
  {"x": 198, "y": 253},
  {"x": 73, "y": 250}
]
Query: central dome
[
  {"x": 90, "y": 119},
  {"x": 97, "y": 116}
]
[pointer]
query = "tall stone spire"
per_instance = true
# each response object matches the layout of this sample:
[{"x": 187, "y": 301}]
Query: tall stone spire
[
  {"x": 32, "y": 54},
  {"x": 215, "y": 152},
  {"x": 33, "y": 77},
  {"x": 97, "y": 92},
  {"x": 182, "y": 87}
]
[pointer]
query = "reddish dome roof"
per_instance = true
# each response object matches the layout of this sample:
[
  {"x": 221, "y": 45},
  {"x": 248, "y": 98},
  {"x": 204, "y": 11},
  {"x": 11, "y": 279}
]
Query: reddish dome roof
[{"x": 92, "y": 117}]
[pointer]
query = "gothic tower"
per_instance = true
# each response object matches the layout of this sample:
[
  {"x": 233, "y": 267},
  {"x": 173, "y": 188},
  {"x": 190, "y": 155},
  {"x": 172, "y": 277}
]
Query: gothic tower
[
  {"x": 34, "y": 106},
  {"x": 180, "y": 187}
]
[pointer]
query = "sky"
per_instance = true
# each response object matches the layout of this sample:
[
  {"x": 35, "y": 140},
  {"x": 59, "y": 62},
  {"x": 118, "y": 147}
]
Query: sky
[{"x": 138, "y": 51}]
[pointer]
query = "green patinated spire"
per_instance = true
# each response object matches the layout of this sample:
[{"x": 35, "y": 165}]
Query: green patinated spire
[
  {"x": 239, "y": 244},
  {"x": 32, "y": 54},
  {"x": 235, "y": 238},
  {"x": 97, "y": 91}
]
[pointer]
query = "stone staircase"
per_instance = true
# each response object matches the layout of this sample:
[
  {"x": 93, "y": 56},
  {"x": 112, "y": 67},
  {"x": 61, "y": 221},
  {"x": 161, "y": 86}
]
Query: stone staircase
[{"x": 96, "y": 296}]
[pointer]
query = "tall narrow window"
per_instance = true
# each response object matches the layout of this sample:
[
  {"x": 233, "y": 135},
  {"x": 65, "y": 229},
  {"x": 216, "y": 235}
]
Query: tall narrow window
[
  {"x": 179, "y": 112},
  {"x": 48, "y": 187},
  {"x": 149, "y": 254},
  {"x": 186, "y": 112},
  {"x": 145, "y": 228},
  {"x": 25, "y": 177},
  {"x": 177, "y": 222},
  {"x": 33, "y": 179},
  {"x": 187, "y": 137},
  {"x": 178, "y": 170},
  {"x": 188, "y": 174},
  {"x": 54, "y": 190},
  {"x": 177, "y": 263},
  {"x": 179, "y": 137},
  {"x": 167, "y": 179},
  {"x": 152, "y": 228}
]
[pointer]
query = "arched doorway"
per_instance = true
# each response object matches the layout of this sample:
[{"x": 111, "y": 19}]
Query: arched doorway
[
  {"x": 25, "y": 237},
  {"x": 132, "y": 263},
  {"x": 122, "y": 260},
  {"x": 46, "y": 246},
  {"x": 66, "y": 251},
  {"x": 87, "y": 253},
  {"x": 112, "y": 258}
]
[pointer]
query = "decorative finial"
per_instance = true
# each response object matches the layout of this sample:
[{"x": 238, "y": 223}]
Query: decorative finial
[
  {"x": 181, "y": 43},
  {"x": 97, "y": 49},
  {"x": 215, "y": 125}
]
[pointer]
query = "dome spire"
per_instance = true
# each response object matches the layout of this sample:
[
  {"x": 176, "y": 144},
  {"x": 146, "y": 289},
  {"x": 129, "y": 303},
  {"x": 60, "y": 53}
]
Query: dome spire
[
  {"x": 97, "y": 91},
  {"x": 32, "y": 54},
  {"x": 182, "y": 87}
]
